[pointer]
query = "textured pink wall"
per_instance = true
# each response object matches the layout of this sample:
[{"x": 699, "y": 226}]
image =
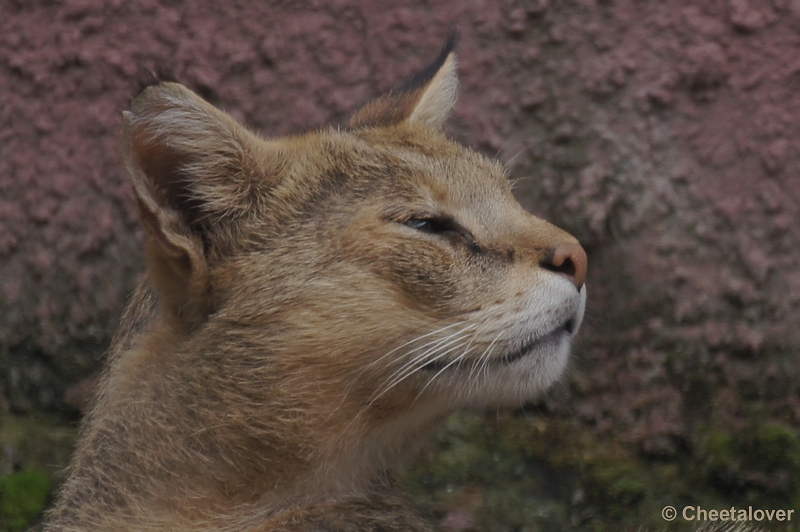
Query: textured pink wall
[{"x": 663, "y": 134}]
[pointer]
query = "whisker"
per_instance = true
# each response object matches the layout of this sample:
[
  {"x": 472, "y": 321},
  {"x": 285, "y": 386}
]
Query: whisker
[
  {"x": 427, "y": 350},
  {"x": 431, "y": 355},
  {"x": 418, "y": 338},
  {"x": 480, "y": 330},
  {"x": 510, "y": 161},
  {"x": 430, "y": 381},
  {"x": 353, "y": 379},
  {"x": 486, "y": 356},
  {"x": 432, "y": 350}
]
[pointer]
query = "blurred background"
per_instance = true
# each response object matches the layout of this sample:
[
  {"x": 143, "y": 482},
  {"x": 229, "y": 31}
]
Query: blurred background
[{"x": 663, "y": 134}]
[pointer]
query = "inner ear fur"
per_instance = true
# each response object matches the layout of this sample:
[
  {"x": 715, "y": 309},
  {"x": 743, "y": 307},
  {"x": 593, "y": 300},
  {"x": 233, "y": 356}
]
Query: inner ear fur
[
  {"x": 427, "y": 98},
  {"x": 194, "y": 170}
]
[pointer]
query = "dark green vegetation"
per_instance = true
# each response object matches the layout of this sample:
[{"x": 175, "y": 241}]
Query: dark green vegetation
[
  {"x": 522, "y": 471},
  {"x": 22, "y": 497},
  {"x": 535, "y": 472},
  {"x": 32, "y": 453}
]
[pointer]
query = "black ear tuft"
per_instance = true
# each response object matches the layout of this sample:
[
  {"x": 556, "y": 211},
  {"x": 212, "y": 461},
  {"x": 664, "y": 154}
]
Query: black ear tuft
[
  {"x": 424, "y": 76},
  {"x": 147, "y": 77},
  {"x": 427, "y": 98}
]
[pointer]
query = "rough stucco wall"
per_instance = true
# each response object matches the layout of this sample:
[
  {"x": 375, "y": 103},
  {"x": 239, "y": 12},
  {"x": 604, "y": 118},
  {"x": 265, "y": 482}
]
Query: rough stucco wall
[
  {"x": 661, "y": 133},
  {"x": 69, "y": 240}
]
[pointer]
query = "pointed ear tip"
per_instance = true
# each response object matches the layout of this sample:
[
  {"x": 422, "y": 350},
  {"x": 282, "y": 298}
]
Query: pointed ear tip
[
  {"x": 165, "y": 92},
  {"x": 451, "y": 65},
  {"x": 448, "y": 60},
  {"x": 128, "y": 117}
]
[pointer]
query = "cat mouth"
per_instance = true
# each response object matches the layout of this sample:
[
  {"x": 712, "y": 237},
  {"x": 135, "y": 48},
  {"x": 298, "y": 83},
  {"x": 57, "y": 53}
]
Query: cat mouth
[{"x": 566, "y": 328}]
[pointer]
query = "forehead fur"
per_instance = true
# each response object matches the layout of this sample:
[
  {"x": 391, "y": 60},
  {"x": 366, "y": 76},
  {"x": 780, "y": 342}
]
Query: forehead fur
[
  {"x": 416, "y": 165},
  {"x": 408, "y": 161}
]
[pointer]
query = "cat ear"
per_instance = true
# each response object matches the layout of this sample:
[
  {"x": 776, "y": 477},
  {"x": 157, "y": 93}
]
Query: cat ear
[
  {"x": 194, "y": 170},
  {"x": 427, "y": 98}
]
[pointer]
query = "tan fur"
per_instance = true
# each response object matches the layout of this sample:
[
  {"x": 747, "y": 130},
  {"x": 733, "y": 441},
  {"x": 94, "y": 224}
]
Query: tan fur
[{"x": 313, "y": 305}]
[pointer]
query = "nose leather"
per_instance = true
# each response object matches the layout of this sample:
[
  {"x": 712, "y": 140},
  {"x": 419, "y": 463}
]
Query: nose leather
[{"x": 570, "y": 259}]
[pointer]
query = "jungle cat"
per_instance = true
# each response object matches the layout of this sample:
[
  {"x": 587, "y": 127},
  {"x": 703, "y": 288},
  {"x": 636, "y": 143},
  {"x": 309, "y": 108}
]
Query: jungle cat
[{"x": 312, "y": 306}]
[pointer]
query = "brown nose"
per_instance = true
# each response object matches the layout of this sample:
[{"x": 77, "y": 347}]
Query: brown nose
[{"x": 570, "y": 259}]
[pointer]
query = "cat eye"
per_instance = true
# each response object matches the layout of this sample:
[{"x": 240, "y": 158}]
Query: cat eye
[
  {"x": 431, "y": 225},
  {"x": 443, "y": 226}
]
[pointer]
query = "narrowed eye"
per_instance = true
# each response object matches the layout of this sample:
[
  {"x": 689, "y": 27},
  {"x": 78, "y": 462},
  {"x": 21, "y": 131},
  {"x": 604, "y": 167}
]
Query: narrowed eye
[
  {"x": 446, "y": 227},
  {"x": 431, "y": 225}
]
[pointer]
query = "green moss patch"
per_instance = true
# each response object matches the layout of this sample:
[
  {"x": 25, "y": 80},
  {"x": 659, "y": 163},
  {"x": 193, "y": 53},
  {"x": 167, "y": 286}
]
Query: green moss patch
[
  {"x": 23, "y": 496},
  {"x": 538, "y": 473},
  {"x": 33, "y": 450}
]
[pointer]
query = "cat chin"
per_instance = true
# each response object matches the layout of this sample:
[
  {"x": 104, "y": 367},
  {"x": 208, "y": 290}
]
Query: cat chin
[{"x": 508, "y": 384}]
